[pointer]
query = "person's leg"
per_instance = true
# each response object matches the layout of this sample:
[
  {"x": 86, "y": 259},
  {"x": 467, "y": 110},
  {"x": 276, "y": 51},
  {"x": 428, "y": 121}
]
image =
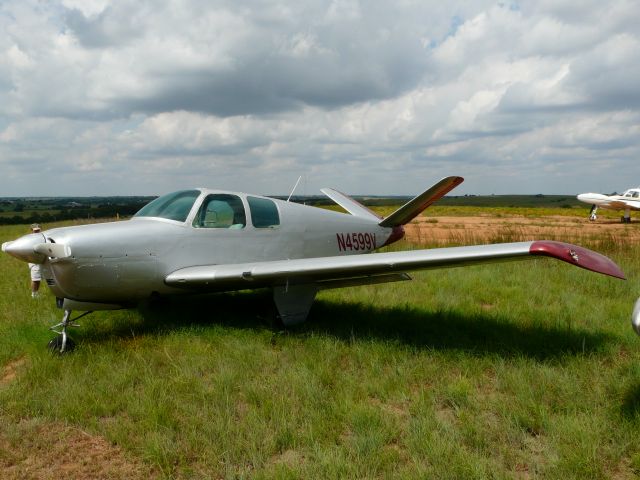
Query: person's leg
[{"x": 35, "y": 286}]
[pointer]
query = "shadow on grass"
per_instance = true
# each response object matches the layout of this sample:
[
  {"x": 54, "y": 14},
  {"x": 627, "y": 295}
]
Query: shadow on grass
[
  {"x": 478, "y": 334},
  {"x": 631, "y": 403}
]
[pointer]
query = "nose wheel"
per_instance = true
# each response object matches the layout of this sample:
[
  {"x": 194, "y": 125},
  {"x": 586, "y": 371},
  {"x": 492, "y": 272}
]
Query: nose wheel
[{"x": 62, "y": 342}]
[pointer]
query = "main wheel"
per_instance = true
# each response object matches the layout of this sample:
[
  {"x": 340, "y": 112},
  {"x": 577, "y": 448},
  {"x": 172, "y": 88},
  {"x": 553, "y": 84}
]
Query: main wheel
[{"x": 55, "y": 344}]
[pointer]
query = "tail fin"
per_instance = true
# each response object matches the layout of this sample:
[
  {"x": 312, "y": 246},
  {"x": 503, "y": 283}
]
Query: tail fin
[
  {"x": 350, "y": 205},
  {"x": 404, "y": 214},
  {"x": 412, "y": 209}
]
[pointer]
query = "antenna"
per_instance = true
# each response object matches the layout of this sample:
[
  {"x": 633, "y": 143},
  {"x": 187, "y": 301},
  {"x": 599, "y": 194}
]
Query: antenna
[{"x": 294, "y": 187}]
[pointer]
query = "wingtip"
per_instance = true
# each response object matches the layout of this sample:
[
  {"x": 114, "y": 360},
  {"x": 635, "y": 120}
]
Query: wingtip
[{"x": 578, "y": 256}]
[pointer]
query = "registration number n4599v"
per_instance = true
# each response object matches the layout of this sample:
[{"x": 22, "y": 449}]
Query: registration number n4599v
[{"x": 356, "y": 241}]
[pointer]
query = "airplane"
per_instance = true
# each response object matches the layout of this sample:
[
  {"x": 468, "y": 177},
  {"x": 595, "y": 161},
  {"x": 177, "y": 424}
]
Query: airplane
[
  {"x": 629, "y": 200},
  {"x": 201, "y": 240}
]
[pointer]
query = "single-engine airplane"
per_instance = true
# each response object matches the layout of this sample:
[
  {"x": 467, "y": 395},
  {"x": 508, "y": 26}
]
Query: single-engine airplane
[
  {"x": 629, "y": 200},
  {"x": 209, "y": 240}
]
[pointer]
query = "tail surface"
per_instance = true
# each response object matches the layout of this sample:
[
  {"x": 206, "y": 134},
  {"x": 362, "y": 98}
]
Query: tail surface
[
  {"x": 404, "y": 214},
  {"x": 350, "y": 205},
  {"x": 412, "y": 209}
]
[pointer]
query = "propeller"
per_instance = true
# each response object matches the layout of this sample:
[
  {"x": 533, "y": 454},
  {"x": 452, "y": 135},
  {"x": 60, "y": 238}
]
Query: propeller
[{"x": 34, "y": 248}]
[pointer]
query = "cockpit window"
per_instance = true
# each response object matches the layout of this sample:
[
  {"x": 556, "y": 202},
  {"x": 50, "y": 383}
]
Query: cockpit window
[
  {"x": 221, "y": 210},
  {"x": 172, "y": 206},
  {"x": 264, "y": 213},
  {"x": 636, "y": 194}
]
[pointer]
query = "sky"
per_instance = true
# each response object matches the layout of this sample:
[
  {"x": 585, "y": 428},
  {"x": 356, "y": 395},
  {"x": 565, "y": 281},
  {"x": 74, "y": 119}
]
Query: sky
[{"x": 141, "y": 97}]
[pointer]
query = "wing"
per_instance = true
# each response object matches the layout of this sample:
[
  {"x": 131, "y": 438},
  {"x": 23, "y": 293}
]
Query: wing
[
  {"x": 329, "y": 272},
  {"x": 618, "y": 205},
  {"x": 622, "y": 204},
  {"x": 632, "y": 204}
]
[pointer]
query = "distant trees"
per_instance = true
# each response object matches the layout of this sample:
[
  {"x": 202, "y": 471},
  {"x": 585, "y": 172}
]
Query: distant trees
[{"x": 47, "y": 211}]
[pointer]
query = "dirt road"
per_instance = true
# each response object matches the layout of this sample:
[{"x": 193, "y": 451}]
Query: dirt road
[{"x": 490, "y": 229}]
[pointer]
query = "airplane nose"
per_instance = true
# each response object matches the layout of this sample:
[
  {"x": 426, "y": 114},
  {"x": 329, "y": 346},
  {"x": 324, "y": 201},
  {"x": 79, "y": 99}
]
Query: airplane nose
[
  {"x": 22, "y": 248},
  {"x": 635, "y": 317},
  {"x": 592, "y": 198}
]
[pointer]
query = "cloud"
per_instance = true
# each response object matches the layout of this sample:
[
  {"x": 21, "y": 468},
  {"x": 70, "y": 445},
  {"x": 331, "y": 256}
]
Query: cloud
[
  {"x": 225, "y": 60},
  {"x": 376, "y": 97}
]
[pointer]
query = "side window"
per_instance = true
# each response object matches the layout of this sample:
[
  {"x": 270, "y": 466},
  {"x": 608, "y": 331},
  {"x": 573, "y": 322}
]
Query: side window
[
  {"x": 636, "y": 194},
  {"x": 264, "y": 213},
  {"x": 221, "y": 210}
]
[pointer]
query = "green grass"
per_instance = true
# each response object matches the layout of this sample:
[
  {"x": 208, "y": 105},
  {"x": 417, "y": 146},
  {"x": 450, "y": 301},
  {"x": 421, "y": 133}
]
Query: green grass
[{"x": 516, "y": 370}]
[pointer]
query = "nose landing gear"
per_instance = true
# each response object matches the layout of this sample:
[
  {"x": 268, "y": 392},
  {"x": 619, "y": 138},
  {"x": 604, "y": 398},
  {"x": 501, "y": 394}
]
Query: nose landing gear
[{"x": 62, "y": 343}]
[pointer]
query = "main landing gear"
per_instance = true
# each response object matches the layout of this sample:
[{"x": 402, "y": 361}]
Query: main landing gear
[
  {"x": 592, "y": 214},
  {"x": 62, "y": 342}
]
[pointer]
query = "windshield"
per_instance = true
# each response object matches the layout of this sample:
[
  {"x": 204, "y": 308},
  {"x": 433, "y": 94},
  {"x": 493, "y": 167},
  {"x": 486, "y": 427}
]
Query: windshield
[{"x": 172, "y": 206}]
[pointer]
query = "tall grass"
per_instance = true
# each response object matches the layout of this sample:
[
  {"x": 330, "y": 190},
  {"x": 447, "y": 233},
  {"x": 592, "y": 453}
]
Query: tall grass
[
  {"x": 517, "y": 370},
  {"x": 605, "y": 240}
]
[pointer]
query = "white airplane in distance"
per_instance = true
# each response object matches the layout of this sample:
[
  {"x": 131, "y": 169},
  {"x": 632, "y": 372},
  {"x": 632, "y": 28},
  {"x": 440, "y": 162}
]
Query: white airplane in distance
[
  {"x": 201, "y": 240},
  {"x": 629, "y": 200}
]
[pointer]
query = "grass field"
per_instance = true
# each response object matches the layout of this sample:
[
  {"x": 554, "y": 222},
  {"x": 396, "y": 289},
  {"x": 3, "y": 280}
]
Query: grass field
[{"x": 517, "y": 370}]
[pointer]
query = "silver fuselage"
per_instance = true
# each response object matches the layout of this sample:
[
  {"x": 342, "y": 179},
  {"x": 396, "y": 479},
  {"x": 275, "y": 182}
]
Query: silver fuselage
[{"x": 127, "y": 261}]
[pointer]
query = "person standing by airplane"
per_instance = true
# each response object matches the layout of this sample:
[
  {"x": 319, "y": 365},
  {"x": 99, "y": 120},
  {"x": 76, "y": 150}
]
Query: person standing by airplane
[{"x": 34, "y": 269}]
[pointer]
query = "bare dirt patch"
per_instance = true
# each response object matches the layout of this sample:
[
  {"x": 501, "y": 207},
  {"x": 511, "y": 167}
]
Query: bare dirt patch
[
  {"x": 514, "y": 228},
  {"x": 290, "y": 458},
  {"x": 10, "y": 370},
  {"x": 38, "y": 449}
]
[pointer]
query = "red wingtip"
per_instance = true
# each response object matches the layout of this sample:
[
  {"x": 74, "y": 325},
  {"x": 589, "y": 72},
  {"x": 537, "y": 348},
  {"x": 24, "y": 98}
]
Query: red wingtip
[{"x": 578, "y": 256}]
